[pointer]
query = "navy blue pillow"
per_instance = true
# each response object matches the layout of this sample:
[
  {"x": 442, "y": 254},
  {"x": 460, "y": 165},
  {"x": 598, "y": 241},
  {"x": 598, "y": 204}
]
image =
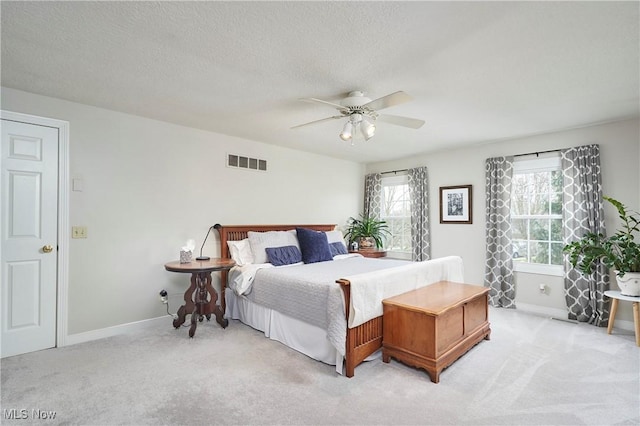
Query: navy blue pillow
[
  {"x": 337, "y": 248},
  {"x": 285, "y": 255},
  {"x": 314, "y": 245}
]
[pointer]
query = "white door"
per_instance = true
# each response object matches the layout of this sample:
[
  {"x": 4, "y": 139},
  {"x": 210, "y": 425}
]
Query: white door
[{"x": 29, "y": 237}]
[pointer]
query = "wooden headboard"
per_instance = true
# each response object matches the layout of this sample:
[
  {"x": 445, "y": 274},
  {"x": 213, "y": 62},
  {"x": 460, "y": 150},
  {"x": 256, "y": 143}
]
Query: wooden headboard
[{"x": 239, "y": 232}]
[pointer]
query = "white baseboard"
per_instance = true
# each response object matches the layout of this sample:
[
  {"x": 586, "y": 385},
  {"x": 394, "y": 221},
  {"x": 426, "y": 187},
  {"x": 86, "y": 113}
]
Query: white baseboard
[
  {"x": 101, "y": 333},
  {"x": 562, "y": 314}
]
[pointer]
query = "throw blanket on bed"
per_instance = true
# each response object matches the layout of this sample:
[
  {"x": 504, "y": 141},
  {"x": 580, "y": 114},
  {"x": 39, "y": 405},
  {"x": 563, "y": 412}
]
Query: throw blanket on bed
[{"x": 369, "y": 289}]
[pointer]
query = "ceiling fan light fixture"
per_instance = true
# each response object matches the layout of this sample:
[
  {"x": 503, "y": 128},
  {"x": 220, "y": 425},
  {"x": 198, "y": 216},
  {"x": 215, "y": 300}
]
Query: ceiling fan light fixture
[
  {"x": 362, "y": 114},
  {"x": 368, "y": 129},
  {"x": 347, "y": 132}
]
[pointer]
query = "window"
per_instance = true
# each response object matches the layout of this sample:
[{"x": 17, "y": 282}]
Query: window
[
  {"x": 536, "y": 216},
  {"x": 396, "y": 211}
]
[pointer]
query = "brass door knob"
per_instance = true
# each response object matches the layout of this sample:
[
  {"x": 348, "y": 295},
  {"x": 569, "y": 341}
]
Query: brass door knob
[{"x": 47, "y": 249}]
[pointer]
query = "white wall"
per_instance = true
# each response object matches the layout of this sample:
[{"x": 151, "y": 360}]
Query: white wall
[
  {"x": 620, "y": 150},
  {"x": 150, "y": 185}
]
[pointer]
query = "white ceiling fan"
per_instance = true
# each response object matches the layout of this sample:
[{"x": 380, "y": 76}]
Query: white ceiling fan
[{"x": 362, "y": 113}]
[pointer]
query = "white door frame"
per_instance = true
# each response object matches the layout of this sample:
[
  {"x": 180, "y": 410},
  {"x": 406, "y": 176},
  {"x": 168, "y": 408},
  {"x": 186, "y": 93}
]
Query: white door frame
[{"x": 63, "y": 214}]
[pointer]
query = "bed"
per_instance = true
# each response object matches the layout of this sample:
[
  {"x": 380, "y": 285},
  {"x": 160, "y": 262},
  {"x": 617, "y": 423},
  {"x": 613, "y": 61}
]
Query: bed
[{"x": 351, "y": 333}]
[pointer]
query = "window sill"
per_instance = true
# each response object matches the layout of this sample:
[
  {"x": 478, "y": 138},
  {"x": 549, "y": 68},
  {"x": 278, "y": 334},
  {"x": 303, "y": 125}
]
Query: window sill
[
  {"x": 532, "y": 268},
  {"x": 400, "y": 255}
]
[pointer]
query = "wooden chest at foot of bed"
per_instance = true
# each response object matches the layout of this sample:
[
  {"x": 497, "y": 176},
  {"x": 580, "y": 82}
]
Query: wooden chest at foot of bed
[{"x": 433, "y": 326}]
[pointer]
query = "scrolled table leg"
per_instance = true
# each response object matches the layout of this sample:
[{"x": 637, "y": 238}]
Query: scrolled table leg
[
  {"x": 212, "y": 307},
  {"x": 194, "y": 322},
  {"x": 182, "y": 316}
]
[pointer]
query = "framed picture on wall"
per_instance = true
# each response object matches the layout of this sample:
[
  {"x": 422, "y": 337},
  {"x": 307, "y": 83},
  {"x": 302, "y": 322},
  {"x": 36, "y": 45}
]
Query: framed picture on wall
[{"x": 455, "y": 204}]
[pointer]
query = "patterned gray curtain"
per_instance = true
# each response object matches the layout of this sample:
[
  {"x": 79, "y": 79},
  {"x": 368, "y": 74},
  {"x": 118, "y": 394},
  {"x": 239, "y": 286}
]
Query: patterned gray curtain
[
  {"x": 372, "y": 195},
  {"x": 499, "y": 262},
  {"x": 419, "y": 194},
  {"x": 583, "y": 212}
]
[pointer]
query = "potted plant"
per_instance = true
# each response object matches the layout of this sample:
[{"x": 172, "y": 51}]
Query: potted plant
[
  {"x": 619, "y": 251},
  {"x": 367, "y": 232}
]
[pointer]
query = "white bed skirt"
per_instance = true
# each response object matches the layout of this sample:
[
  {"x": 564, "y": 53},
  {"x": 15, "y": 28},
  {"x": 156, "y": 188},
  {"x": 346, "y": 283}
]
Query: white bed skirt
[{"x": 301, "y": 336}]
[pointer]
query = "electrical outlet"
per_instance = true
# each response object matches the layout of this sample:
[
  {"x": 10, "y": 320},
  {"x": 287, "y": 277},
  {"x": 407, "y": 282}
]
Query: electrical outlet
[
  {"x": 543, "y": 288},
  {"x": 163, "y": 297},
  {"x": 79, "y": 232}
]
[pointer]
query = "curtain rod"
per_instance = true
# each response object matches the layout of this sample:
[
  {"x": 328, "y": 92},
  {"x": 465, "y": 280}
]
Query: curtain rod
[
  {"x": 538, "y": 153},
  {"x": 394, "y": 171}
]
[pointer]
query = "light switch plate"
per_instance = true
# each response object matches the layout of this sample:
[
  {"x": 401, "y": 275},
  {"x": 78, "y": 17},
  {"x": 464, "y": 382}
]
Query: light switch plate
[
  {"x": 79, "y": 232},
  {"x": 76, "y": 185}
]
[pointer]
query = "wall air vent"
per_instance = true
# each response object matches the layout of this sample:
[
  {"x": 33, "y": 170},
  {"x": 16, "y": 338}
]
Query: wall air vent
[{"x": 248, "y": 163}]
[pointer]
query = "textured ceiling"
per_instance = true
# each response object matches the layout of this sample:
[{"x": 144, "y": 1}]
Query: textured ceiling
[{"x": 478, "y": 71}]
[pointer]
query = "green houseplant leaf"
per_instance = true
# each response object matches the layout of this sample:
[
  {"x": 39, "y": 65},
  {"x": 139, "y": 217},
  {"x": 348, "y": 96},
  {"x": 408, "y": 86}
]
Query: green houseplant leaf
[
  {"x": 619, "y": 251},
  {"x": 367, "y": 227}
]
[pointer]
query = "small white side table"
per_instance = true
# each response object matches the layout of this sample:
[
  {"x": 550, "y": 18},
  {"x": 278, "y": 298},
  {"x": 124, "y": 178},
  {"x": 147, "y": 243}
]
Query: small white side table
[{"x": 615, "y": 297}]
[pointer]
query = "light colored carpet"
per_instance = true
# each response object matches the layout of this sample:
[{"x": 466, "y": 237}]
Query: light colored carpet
[{"x": 534, "y": 370}]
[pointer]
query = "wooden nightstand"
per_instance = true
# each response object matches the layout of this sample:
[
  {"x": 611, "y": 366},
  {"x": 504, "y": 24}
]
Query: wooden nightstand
[
  {"x": 370, "y": 252},
  {"x": 200, "y": 298}
]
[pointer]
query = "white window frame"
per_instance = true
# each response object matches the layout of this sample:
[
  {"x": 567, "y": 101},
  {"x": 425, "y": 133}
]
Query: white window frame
[
  {"x": 391, "y": 181},
  {"x": 547, "y": 164}
]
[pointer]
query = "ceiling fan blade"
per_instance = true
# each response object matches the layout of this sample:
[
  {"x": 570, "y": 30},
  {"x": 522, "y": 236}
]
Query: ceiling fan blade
[
  {"x": 413, "y": 123},
  {"x": 337, "y": 106},
  {"x": 335, "y": 117},
  {"x": 393, "y": 99}
]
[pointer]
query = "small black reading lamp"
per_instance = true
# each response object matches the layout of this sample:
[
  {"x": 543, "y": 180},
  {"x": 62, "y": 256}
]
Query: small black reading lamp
[{"x": 201, "y": 257}]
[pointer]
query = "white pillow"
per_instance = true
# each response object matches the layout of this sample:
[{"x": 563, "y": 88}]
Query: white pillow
[
  {"x": 259, "y": 241},
  {"x": 335, "y": 236},
  {"x": 241, "y": 251}
]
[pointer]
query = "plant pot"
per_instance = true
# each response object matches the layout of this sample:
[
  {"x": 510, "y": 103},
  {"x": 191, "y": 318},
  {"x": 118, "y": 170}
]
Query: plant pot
[
  {"x": 629, "y": 284},
  {"x": 366, "y": 243}
]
